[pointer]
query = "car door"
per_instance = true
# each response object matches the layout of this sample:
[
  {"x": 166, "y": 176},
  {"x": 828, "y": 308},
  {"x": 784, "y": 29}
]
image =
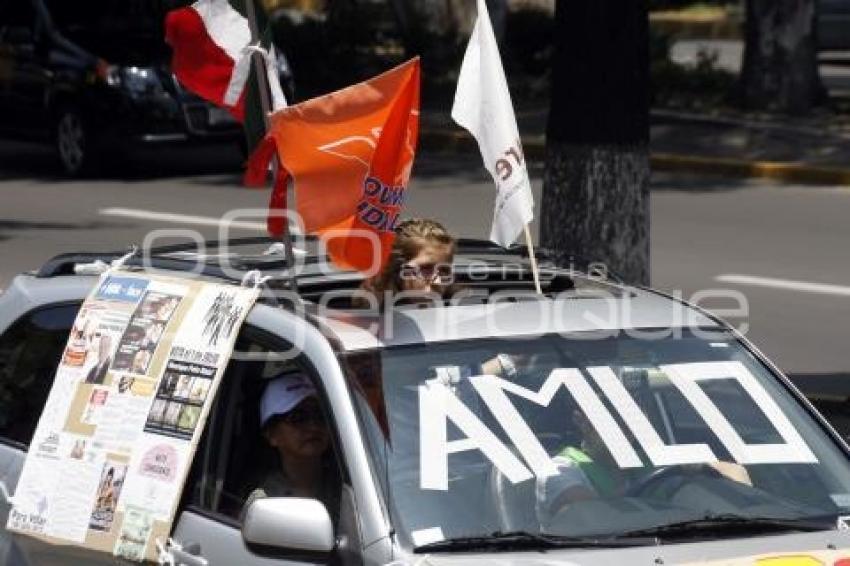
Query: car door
[
  {"x": 207, "y": 531},
  {"x": 30, "y": 351}
]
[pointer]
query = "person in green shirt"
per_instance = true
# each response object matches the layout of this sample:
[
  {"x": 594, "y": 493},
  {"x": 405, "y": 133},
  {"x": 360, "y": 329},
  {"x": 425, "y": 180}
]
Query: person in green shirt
[
  {"x": 589, "y": 471},
  {"x": 594, "y": 460},
  {"x": 585, "y": 471}
]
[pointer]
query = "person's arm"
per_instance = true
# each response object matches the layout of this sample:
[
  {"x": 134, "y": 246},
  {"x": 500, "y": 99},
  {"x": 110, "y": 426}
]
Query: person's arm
[
  {"x": 501, "y": 365},
  {"x": 733, "y": 471},
  {"x": 569, "y": 485}
]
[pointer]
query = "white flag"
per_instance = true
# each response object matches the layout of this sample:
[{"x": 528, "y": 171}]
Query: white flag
[{"x": 483, "y": 106}]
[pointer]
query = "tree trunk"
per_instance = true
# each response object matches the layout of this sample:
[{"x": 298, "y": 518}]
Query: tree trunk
[
  {"x": 596, "y": 184},
  {"x": 780, "y": 70}
]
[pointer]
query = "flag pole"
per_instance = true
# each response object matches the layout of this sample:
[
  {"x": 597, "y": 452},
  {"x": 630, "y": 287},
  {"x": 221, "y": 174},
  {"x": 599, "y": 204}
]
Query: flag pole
[
  {"x": 257, "y": 59},
  {"x": 265, "y": 105},
  {"x": 535, "y": 270}
]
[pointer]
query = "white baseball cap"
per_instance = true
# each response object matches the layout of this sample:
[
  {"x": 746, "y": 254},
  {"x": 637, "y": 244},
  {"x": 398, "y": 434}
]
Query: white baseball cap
[{"x": 283, "y": 394}]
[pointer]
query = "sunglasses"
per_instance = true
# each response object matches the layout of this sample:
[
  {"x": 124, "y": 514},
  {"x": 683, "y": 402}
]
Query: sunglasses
[
  {"x": 301, "y": 415},
  {"x": 441, "y": 272}
]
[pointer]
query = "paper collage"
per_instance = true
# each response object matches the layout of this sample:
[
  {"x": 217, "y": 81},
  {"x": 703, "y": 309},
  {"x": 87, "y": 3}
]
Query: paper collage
[{"x": 107, "y": 464}]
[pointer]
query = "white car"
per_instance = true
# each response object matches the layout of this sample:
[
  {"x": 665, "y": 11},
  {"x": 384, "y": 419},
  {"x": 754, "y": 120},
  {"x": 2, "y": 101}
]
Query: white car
[{"x": 600, "y": 424}]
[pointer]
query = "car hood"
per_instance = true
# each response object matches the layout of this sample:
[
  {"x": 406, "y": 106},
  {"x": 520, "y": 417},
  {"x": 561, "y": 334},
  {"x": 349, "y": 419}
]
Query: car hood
[{"x": 727, "y": 552}]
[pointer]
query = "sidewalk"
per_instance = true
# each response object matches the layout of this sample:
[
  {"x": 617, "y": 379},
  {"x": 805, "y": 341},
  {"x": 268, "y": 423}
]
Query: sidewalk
[{"x": 809, "y": 151}]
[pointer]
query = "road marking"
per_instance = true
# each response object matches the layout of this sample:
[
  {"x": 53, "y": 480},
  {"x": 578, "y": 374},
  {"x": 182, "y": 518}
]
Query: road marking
[
  {"x": 181, "y": 218},
  {"x": 786, "y": 284}
]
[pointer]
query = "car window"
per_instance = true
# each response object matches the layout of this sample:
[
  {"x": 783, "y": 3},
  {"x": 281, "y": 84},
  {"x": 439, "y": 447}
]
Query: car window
[
  {"x": 235, "y": 462},
  {"x": 30, "y": 351},
  {"x": 581, "y": 435}
]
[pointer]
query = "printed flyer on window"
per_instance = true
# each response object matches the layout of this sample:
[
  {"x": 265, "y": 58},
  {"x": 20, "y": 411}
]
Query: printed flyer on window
[{"x": 107, "y": 464}]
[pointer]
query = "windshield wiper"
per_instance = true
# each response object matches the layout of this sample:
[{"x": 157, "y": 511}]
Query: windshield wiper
[
  {"x": 724, "y": 523},
  {"x": 521, "y": 540}
]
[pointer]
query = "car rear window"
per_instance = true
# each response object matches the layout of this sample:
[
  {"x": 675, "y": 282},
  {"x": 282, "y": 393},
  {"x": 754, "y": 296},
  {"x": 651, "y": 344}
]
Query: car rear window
[{"x": 30, "y": 351}]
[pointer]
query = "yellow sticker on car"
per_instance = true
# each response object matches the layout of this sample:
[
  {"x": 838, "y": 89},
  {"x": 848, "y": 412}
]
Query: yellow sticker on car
[
  {"x": 837, "y": 557},
  {"x": 795, "y": 560}
]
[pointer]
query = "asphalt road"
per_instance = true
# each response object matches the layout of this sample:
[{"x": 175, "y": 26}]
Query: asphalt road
[{"x": 784, "y": 248}]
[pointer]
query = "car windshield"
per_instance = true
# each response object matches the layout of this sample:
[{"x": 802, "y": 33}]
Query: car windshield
[{"x": 582, "y": 436}]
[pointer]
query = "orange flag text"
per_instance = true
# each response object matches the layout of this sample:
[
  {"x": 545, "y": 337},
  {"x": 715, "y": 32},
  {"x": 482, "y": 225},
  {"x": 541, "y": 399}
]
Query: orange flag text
[{"x": 350, "y": 154}]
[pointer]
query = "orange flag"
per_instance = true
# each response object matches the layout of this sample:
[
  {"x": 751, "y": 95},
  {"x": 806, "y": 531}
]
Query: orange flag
[{"x": 350, "y": 154}]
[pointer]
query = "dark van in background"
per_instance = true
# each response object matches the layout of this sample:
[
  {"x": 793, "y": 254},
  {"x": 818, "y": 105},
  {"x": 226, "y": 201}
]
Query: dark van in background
[{"x": 92, "y": 77}]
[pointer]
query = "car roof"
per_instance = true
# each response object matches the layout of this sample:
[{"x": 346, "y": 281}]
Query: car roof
[
  {"x": 497, "y": 298},
  {"x": 576, "y": 311}
]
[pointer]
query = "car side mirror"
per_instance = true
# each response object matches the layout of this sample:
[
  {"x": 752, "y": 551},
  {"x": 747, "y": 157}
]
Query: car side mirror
[{"x": 289, "y": 524}]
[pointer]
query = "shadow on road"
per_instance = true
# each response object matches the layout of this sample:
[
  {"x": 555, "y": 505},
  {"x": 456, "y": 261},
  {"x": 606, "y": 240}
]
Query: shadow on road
[
  {"x": 22, "y": 161},
  {"x": 465, "y": 166},
  {"x": 221, "y": 165},
  {"x": 213, "y": 164},
  {"x": 10, "y": 228},
  {"x": 20, "y": 225},
  {"x": 663, "y": 181}
]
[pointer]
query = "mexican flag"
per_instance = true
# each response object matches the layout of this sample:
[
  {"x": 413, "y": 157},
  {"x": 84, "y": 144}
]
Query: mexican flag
[{"x": 211, "y": 43}]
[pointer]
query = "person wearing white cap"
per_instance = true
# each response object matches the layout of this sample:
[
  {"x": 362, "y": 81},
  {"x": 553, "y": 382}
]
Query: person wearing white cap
[{"x": 293, "y": 425}]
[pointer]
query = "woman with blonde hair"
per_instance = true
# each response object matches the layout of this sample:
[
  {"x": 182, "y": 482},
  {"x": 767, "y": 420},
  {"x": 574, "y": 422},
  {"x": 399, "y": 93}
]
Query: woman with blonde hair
[{"x": 419, "y": 266}]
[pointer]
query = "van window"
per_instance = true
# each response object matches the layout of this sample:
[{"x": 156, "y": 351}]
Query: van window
[{"x": 30, "y": 351}]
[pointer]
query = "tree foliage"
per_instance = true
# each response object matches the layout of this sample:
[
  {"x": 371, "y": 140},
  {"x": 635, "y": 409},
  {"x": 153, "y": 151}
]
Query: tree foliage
[{"x": 438, "y": 29}]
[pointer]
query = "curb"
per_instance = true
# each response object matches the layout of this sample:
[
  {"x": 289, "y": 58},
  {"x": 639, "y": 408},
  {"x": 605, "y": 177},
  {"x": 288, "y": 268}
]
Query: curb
[
  {"x": 534, "y": 148},
  {"x": 775, "y": 170},
  {"x": 691, "y": 26}
]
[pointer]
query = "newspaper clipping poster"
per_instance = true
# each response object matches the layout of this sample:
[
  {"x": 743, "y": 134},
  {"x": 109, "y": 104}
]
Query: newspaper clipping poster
[{"x": 111, "y": 452}]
